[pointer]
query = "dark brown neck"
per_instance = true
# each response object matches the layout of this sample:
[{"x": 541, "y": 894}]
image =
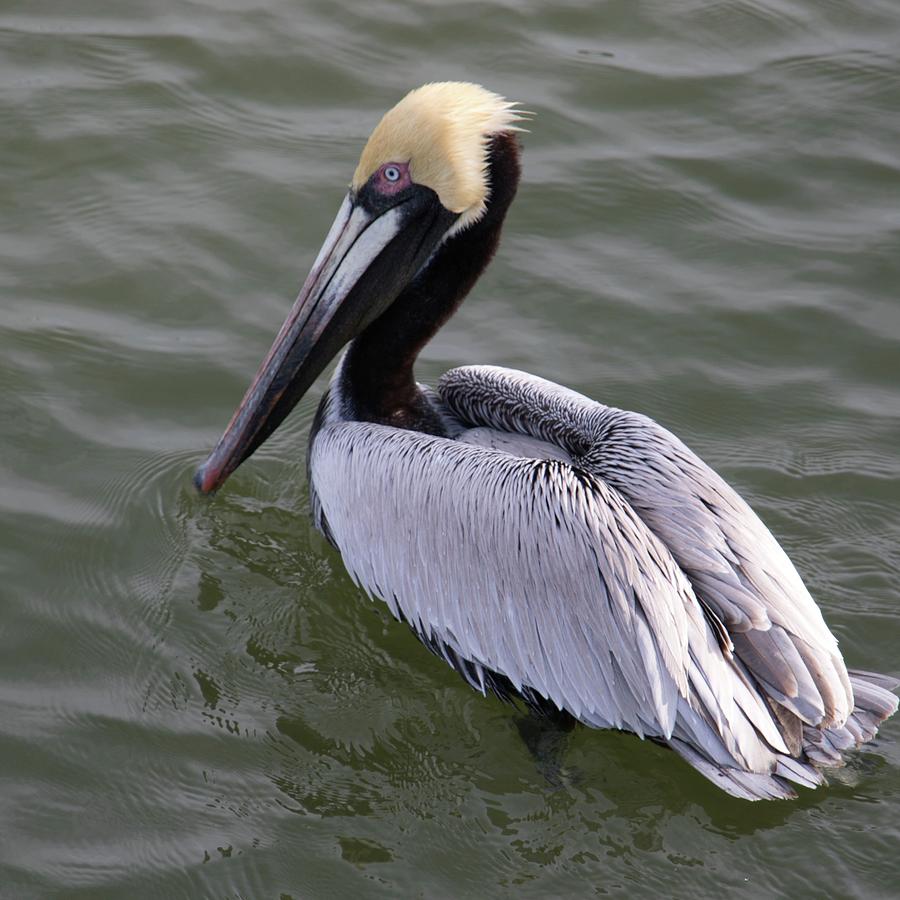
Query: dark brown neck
[{"x": 377, "y": 377}]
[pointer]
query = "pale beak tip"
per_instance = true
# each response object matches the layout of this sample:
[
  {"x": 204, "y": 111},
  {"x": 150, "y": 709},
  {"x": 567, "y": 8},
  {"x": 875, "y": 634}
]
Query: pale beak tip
[{"x": 205, "y": 479}]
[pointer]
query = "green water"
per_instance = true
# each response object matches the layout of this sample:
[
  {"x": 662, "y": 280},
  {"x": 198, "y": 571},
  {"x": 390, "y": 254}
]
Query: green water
[{"x": 194, "y": 699}]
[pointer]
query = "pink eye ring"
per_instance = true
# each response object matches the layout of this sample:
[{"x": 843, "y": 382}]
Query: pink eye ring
[{"x": 392, "y": 177}]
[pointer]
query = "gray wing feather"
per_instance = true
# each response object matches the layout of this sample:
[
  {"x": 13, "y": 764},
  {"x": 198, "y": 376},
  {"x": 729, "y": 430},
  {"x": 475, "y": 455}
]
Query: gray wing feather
[
  {"x": 535, "y": 570},
  {"x": 514, "y": 444},
  {"x": 737, "y": 569}
]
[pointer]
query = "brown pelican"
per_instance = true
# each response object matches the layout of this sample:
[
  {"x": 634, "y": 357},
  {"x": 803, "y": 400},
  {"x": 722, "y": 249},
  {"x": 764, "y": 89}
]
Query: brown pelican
[{"x": 549, "y": 548}]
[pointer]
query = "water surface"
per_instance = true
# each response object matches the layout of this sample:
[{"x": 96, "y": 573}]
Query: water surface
[{"x": 194, "y": 699}]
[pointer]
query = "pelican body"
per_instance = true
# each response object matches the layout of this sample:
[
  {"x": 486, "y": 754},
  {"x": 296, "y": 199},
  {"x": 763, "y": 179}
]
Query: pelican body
[{"x": 548, "y": 547}]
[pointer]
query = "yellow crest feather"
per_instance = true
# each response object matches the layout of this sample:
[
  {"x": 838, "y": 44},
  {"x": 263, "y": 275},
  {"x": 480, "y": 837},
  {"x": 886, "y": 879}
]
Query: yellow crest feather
[{"x": 442, "y": 131}]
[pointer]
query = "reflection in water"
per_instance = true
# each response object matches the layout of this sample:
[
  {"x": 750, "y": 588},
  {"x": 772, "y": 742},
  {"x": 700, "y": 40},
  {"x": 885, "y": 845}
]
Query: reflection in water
[{"x": 454, "y": 799}]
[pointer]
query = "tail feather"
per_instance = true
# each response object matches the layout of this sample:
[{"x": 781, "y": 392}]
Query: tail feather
[
  {"x": 873, "y": 701},
  {"x": 887, "y": 682},
  {"x": 821, "y": 747}
]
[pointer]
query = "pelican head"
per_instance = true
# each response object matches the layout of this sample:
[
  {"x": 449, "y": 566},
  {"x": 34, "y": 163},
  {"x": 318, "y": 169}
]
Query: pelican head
[{"x": 422, "y": 179}]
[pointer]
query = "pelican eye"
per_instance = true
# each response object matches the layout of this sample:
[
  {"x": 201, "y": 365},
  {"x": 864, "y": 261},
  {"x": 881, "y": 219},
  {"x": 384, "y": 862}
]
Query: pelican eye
[{"x": 392, "y": 173}]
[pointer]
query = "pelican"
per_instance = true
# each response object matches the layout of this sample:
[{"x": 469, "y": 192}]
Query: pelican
[{"x": 551, "y": 549}]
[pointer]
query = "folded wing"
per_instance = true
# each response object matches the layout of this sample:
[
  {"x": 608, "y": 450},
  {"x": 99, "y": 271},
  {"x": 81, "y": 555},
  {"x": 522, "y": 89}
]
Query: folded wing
[
  {"x": 543, "y": 574},
  {"x": 740, "y": 575}
]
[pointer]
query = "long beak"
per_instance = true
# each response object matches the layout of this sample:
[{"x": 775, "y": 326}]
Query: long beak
[{"x": 362, "y": 266}]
